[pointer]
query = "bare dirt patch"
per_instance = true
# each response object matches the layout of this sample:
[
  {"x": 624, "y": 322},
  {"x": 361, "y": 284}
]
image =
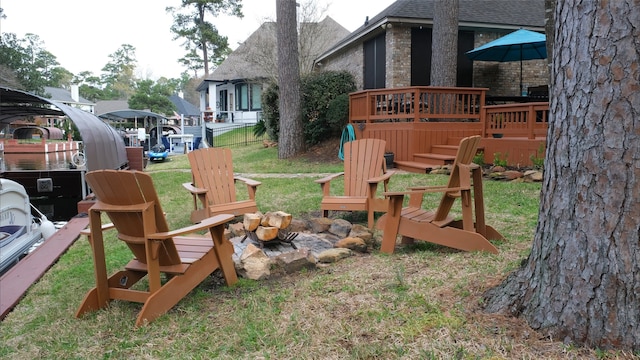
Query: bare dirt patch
[{"x": 324, "y": 152}]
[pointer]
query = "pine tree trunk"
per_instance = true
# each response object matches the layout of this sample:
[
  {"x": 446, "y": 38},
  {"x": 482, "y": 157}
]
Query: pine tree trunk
[
  {"x": 444, "y": 47},
  {"x": 581, "y": 282},
  {"x": 291, "y": 138}
]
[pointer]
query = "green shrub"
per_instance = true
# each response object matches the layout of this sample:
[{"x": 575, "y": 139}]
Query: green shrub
[
  {"x": 498, "y": 161},
  {"x": 338, "y": 112},
  {"x": 538, "y": 159},
  {"x": 479, "y": 158},
  {"x": 271, "y": 111},
  {"x": 325, "y": 104}
]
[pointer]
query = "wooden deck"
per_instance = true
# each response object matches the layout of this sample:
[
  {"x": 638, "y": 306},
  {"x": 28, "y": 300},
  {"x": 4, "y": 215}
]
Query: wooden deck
[
  {"x": 17, "y": 280},
  {"x": 423, "y": 124}
]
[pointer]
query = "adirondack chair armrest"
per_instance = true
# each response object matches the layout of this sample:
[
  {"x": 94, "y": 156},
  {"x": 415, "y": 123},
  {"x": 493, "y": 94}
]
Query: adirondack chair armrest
[
  {"x": 204, "y": 224},
  {"x": 325, "y": 183},
  {"x": 104, "y": 227},
  {"x": 100, "y": 206},
  {"x": 194, "y": 190},
  {"x": 252, "y": 185},
  {"x": 424, "y": 190},
  {"x": 328, "y": 178},
  {"x": 416, "y": 193},
  {"x": 249, "y": 182},
  {"x": 384, "y": 177}
]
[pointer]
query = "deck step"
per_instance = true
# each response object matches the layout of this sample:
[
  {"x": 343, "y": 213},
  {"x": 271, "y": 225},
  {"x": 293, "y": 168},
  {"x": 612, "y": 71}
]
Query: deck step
[
  {"x": 445, "y": 149},
  {"x": 415, "y": 167},
  {"x": 433, "y": 158}
]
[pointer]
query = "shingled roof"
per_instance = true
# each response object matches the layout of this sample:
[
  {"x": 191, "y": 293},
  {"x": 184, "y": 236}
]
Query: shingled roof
[
  {"x": 64, "y": 96},
  {"x": 255, "y": 57},
  {"x": 489, "y": 14}
]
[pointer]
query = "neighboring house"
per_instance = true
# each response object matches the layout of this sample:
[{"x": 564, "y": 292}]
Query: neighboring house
[
  {"x": 71, "y": 98},
  {"x": 393, "y": 49},
  {"x": 189, "y": 112},
  {"x": 232, "y": 92}
]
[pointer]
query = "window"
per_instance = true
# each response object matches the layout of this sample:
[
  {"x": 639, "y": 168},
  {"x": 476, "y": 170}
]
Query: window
[
  {"x": 249, "y": 97},
  {"x": 375, "y": 63},
  {"x": 256, "y": 95},
  {"x": 223, "y": 101}
]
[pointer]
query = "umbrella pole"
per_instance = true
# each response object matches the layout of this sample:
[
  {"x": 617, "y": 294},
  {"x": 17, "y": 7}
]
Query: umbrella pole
[{"x": 521, "y": 89}]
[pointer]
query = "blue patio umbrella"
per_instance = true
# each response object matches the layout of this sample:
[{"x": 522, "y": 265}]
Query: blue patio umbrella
[{"x": 517, "y": 46}]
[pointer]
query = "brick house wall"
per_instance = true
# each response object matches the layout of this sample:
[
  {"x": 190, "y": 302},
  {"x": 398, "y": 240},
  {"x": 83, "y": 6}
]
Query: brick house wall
[
  {"x": 351, "y": 60},
  {"x": 399, "y": 57}
]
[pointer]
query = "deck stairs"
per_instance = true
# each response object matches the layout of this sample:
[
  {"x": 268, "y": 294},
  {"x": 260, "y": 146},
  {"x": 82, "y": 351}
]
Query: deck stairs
[{"x": 441, "y": 154}]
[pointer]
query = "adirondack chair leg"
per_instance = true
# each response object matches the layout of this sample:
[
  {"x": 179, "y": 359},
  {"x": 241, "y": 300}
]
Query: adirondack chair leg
[
  {"x": 392, "y": 224},
  {"x": 122, "y": 279},
  {"x": 478, "y": 201},
  {"x": 101, "y": 291},
  {"x": 224, "y": 250}
]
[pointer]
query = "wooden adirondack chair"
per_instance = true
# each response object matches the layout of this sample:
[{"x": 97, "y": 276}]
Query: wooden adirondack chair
[
  {"x": 130, "y": 201},
  {"x": 439, "y": 227},
  {"x": 213, "y": 187},
  {"x": 364, "y": 169}
]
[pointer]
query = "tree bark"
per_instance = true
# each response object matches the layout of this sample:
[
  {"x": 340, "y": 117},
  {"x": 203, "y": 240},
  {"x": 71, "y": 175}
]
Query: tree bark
[
  {"x": 581, "y": 282},
  {"x": 444, "y": 47},
  {"x": 291, "y": 138}
]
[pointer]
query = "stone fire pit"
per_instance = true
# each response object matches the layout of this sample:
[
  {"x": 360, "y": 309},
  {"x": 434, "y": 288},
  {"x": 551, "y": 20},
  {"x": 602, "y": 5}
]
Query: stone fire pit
[{"x": 317, "y": 241}]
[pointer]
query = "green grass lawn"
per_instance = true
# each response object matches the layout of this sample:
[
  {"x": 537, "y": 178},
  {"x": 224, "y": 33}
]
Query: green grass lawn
[{"x": 422, "y": 302}]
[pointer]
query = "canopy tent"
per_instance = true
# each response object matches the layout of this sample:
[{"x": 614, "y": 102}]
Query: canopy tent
[
  {"x": 119, "y": 115},
  {"x": 517, "y": 46},
  {"x": 97, "y": 136},
  {"x": 129, "y": 114}
]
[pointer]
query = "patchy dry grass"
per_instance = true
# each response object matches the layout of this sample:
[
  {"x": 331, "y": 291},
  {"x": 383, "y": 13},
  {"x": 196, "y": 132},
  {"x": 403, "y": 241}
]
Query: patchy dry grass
[{"x": 422, "y": 302}]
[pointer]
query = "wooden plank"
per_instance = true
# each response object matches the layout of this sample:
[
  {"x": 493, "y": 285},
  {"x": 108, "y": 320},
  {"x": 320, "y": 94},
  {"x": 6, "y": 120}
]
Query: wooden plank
[{"x": 17, "y": 280}]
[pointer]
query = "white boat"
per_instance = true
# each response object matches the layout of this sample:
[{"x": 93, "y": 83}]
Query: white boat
[{"x": 19, "y": 230}]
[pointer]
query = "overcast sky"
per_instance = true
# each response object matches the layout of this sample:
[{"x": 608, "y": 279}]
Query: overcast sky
[{"x": 82, "y": 33}]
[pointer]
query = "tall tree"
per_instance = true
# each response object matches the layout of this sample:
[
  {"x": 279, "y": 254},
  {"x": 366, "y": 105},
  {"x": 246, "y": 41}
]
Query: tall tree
[
  {"x": 198, "y": 33},
  {"x": 118, "y": 76},
  {"x": 444, "y": 46},
  {"x": 291, "y": 139},
  {"x": 90, "y": 86},
  {"x": 33, "y": 66},
  {"x": 581, "y": 281},
  {"x": 153, "y": 96}
]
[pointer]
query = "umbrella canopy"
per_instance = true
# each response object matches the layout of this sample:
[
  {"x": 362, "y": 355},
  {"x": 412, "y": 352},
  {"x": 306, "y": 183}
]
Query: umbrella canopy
[{"x": 517, "y": 46}]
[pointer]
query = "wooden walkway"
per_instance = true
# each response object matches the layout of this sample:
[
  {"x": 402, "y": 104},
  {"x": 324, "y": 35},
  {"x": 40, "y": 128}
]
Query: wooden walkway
[{"x": 17, "y": 280}]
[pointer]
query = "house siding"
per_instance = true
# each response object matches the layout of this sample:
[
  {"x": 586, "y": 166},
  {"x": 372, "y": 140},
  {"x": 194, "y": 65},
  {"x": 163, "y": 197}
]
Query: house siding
[{"x": 502, "y": 79}]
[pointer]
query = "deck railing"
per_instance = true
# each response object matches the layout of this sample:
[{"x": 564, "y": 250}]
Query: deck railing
[
  {"x": 528, "y": 120},
  {"x": 428, "y": 104},
  {"x": 416, "y": 104}
]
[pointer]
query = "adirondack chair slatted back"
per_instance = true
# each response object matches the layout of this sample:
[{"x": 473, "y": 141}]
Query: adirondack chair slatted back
[
  {"x": 363, "y": 160},
  {"x": 466, "y": 151},
  {"x": 133, "y": 188},
  {"x": 212, "y": 169}
]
